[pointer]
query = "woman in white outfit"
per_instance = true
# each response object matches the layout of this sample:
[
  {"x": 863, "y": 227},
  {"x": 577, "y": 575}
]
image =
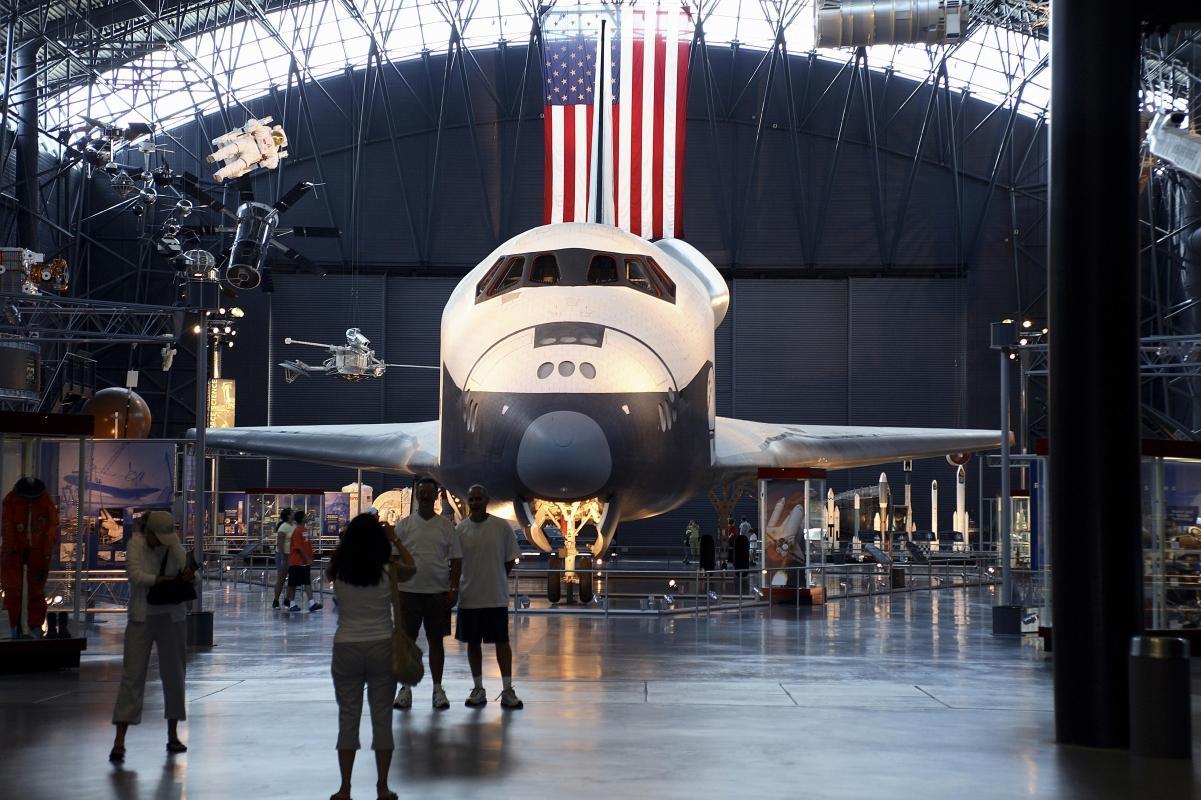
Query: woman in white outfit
[
  {"x": 154, "y": 556},
  {"x": 363, "y": 645}
]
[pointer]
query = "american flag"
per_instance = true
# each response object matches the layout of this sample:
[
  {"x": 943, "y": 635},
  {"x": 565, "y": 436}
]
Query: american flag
[{"x": 642, "y": 105}]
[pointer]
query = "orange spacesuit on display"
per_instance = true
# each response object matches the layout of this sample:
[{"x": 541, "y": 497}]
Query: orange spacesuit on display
[{"x": 29, "y": 534}]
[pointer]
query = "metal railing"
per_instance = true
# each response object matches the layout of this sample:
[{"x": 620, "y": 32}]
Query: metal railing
[{"x": 675, "y": 590}]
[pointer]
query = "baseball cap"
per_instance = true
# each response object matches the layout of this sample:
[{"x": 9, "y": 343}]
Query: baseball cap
[{"x": 162, "y": 525}]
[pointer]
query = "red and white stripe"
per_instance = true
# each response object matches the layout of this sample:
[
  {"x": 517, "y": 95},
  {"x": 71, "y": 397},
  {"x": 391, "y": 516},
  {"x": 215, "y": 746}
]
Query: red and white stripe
[
  {"x": 568, "y": 132},
  {"x": 646, "y": 144}
]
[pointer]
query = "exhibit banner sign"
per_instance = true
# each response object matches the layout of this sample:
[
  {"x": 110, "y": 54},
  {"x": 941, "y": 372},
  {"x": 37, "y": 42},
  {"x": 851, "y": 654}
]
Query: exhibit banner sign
[
  {"x": 222, "y": 403},
  {"x": 122, "y": 479}
]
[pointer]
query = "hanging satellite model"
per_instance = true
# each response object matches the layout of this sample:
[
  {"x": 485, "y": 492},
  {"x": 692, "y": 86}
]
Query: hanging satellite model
[
  {"x": 1170, "y": 139},
  {"x": 249, "y": 147},
  {"x": 352, "y": 361},
  {"x": 27, "y": 272},
  {"x": 256, "y": 231}
]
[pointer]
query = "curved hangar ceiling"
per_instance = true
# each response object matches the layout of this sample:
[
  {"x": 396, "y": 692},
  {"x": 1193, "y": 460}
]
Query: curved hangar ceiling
[{"x": 184, "y": 72}]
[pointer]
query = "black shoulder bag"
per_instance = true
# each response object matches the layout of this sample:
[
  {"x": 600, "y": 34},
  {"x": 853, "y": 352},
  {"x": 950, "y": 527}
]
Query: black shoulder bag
[{"x": 175, "y": 590}]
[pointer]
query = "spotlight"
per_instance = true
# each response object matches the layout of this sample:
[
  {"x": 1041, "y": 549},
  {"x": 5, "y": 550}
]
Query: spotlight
[
  {"x": 228, "y": 329},
  {"x": 195, "y": 329},
  {"x": 58, "y": 600},
  {"x": 237, "y": 312},
  {"x": 221, "y": 311},
  {"x": 671, "y": 584},
  {"x": 183, "y": 208},
  {"x": 1027, "y": 323},
  {"x": 137, "y": 209}
]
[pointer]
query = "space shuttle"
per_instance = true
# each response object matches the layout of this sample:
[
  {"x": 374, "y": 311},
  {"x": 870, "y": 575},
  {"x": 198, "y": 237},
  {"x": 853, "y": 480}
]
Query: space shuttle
[{"x": 577, "y": 371}]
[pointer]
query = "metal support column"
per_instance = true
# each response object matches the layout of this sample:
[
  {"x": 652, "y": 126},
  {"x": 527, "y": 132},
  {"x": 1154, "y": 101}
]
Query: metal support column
[
  {"x": 1093, "y": 298},
  {"x": 25, "y": 100},
  {"x": 200, "y": 628},
  {"x": 1006, "y": 490}
]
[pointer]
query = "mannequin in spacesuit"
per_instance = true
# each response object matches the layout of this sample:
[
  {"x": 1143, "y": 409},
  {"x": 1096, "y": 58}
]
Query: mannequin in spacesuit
[{"x": 29, "y": 535}]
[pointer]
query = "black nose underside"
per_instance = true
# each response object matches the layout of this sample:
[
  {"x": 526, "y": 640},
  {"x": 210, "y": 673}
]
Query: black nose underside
[{"x": 564, "y": 454}]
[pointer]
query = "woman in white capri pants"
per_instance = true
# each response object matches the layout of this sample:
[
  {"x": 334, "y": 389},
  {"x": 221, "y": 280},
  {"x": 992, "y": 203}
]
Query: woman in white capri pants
[
  {"x": 154, "y": 555},
  {"x": 363, "y": 646}
]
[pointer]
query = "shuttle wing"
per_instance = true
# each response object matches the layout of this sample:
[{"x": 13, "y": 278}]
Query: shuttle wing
[
  {"x": 410, "y": 448},
  {"x": 742, "y": 447}
]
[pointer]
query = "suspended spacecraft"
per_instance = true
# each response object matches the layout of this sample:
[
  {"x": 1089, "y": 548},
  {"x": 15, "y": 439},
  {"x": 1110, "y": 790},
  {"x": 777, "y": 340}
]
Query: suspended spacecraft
[{"x": 352, "y": 361}]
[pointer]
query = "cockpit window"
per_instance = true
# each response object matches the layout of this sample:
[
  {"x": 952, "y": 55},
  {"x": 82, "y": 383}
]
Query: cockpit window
[
  {"x": 512, "y": 276},
  {"x": 602, "y": 269},
  {"x": 669, "y": 286},
  {"x": 576, "y": 266},
  {"x": 636, "y": 275},
  {"x": 489, "y": 276},
  {"x": 545, "y": 271}
]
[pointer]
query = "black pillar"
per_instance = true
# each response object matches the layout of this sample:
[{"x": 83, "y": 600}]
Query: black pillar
[
  {"x": 1093, "y": 298},
  {"x": 25, "y": 103}
]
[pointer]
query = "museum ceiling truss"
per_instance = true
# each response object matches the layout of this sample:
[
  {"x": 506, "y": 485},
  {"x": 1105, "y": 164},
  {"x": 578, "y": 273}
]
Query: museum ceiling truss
[{"x": 89, "y": 67}]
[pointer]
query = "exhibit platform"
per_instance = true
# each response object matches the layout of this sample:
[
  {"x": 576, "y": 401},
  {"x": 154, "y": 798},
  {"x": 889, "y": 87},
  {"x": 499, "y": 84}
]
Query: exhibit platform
[
  {"x": 39, "y": 655},
  {"x": 902, "y": 695}
]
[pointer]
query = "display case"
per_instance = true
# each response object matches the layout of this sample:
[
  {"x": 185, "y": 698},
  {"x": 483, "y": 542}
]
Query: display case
[
  {"x": 47, "y": 552},
  {"x": 262, "y": 515},
  {"x": 1020, "y": 532},
  {"x": 1172, "y": 542},
  {"x": 792, "y": 516}
]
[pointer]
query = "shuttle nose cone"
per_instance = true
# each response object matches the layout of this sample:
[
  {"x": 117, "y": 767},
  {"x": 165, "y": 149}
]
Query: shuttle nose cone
[{"x": 564, "y": 455}]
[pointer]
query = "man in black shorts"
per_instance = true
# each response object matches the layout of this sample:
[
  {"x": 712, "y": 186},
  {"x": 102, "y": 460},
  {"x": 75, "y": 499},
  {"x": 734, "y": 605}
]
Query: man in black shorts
[
  {"x": 490, "y": 551},
  {"x": 428, "y": 597}
]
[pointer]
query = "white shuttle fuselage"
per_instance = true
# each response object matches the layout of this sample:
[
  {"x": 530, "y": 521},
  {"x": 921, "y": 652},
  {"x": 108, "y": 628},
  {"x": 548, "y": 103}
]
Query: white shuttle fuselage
[{"x": 578, "y": 364}]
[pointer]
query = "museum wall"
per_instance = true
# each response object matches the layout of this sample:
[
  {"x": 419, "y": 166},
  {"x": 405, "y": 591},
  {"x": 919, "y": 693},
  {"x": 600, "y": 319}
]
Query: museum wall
[{"x": 860, "y": 296}]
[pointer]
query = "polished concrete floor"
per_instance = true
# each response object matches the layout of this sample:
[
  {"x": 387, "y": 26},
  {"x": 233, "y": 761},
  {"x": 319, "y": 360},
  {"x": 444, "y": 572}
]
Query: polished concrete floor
[{"x": 902, "y": 696}]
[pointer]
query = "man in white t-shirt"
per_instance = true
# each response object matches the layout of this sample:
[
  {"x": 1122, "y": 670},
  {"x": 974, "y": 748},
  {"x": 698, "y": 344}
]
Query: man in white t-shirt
[
  {"x": 489, "y": 553},
  {"x": 283, "y": 546},
  {"x": 428, "y": 597}
]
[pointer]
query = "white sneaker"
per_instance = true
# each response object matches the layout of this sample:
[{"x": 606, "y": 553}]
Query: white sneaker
[
  {"x": 315, "y": 606},
  {"x": 440, "y": 701},
  {"x": 477, "y": 698},
  {"x": 404, "y": 698},
  {"x": 294, "y": 607},
  {"x": 509, "y": 699}
]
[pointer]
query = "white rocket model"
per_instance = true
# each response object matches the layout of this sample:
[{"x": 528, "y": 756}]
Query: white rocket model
[
  {"x": 251, "y": 146},
  {"x": 934, "y": 506},
  {"x": 961, "y": 505}
]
